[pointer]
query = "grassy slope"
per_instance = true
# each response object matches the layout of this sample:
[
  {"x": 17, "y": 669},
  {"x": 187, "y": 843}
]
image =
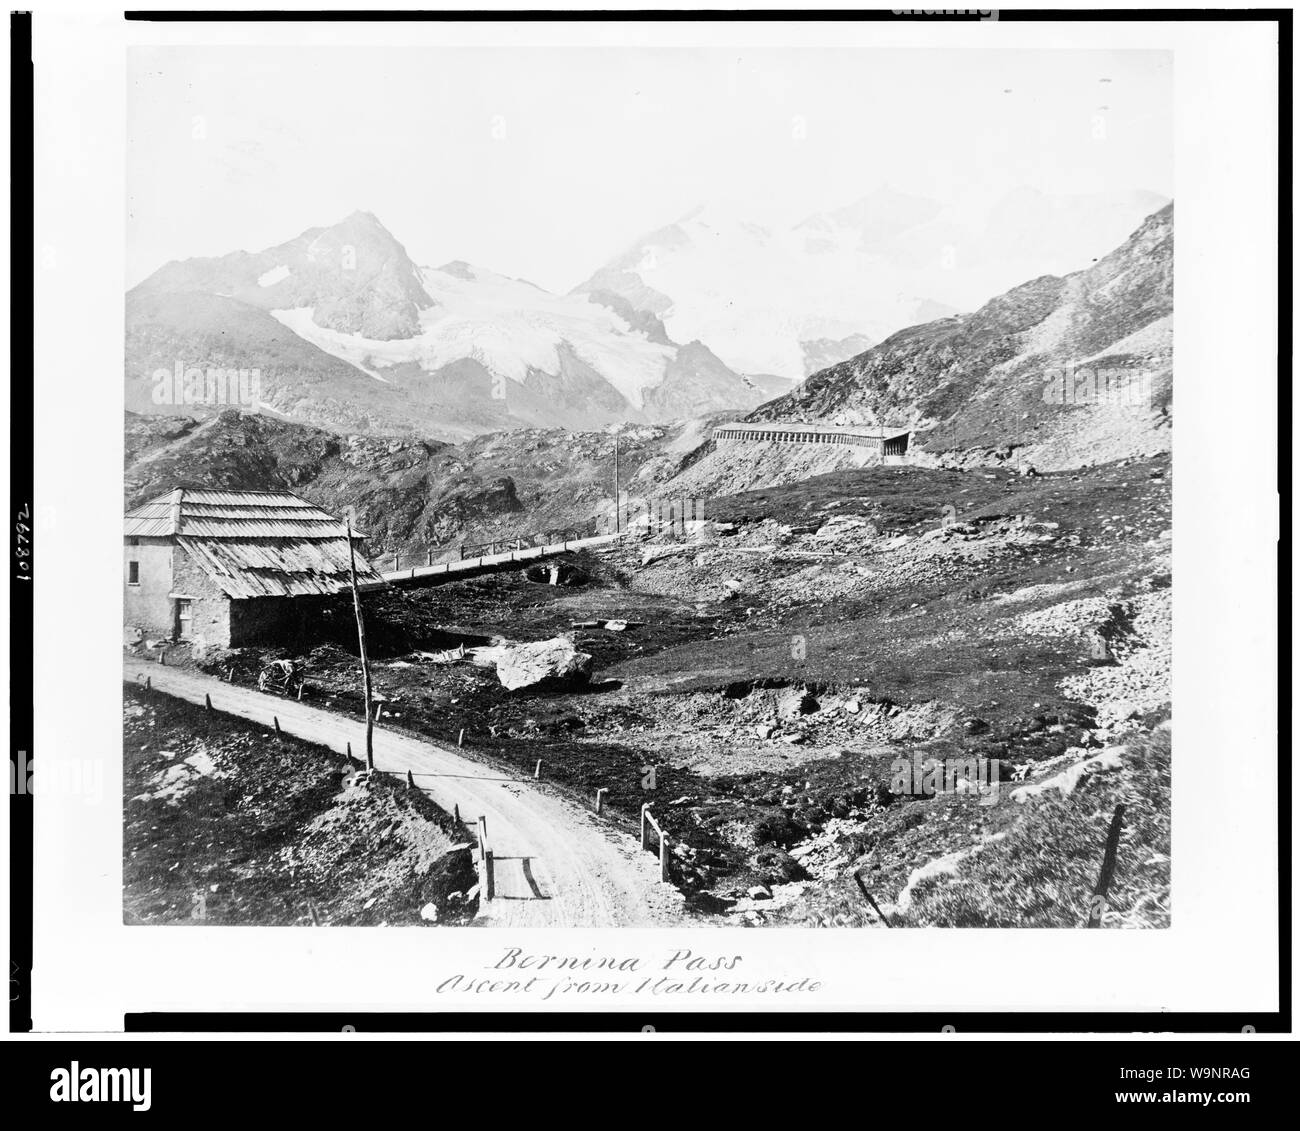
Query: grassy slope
[
  {"x": 1035, "y": 864},
  {"x": 271, "y": 837}
]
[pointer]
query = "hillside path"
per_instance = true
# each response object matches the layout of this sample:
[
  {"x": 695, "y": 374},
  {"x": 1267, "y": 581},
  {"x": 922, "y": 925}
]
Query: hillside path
[{"x": 556, "y": 864}]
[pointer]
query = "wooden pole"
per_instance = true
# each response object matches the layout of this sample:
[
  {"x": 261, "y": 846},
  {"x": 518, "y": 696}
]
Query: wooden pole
[
  {"x": 600, "y": 800},
  {"x": 616, "y": 514},
  {"x": 361, "y": 642},
  {"x": 874, "y": 906},
  {"x": 1098, "y": 905},
  {"x": 537, "y": 770},
  {"x": 460, "y": 738}
]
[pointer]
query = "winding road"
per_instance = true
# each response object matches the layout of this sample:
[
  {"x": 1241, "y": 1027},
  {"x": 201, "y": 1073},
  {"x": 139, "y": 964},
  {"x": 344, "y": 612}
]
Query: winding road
[{"x": 557, "y": 865}]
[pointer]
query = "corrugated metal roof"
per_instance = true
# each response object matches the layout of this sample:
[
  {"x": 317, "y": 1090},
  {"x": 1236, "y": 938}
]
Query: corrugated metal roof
[
  {"x": 276, "y": 567},
  {"x": 231, "y": 514}
]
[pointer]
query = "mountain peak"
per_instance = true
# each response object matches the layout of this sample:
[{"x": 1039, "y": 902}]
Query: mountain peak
[
  {"x": 362, "y": 225},
  {"x": 363, "y": 216}
]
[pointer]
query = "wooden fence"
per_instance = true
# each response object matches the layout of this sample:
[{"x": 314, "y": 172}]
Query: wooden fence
[
  {"x": 560, "y": 536},
  {"x": 422, "y": 557},
  {"x": 486, "y": 883},
  {"x": 648, "y": 822}
]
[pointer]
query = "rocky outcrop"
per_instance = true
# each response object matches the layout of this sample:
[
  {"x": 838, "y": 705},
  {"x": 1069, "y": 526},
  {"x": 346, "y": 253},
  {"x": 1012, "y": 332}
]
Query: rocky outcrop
[
  {"x": 410, "y": 494},
  {"x": 1052, "y": 369}
]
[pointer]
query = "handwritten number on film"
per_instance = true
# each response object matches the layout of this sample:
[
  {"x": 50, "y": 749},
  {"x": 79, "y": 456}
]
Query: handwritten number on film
[{"x": 23, "y": 542}]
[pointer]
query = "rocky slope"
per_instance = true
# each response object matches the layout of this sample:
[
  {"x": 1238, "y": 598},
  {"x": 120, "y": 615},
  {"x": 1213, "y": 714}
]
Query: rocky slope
[
  {"x": 354, "y": 275},
  {"x": 221, "y": 827},
  {"x": 411, "y": 494},
  {"x": 1056, "y": 373}
]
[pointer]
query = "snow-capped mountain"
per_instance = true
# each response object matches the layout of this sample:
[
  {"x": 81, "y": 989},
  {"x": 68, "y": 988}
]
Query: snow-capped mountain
[
  {"x": 348, "y": 332},
  {"x": 354, "y": 275},
  {"x": 790, "y": 301},
  {"x": 712, "y": 313}
]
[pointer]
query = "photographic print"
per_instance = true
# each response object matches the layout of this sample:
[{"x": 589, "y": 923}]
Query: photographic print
[{"x": 648, "y": 487}]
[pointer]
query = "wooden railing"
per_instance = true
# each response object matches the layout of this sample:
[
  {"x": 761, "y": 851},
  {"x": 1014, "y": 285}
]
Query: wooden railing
[
  {"x": 486, "y": 880},
  {"x": 502, "y": 558},
  {"x": 560, "y": 535},
  {"x": 648, "y": 822},
  {"x": 423, "y": 556}
]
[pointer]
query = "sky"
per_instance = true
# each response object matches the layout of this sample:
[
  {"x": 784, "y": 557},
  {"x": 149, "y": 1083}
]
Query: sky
[{"x": 544, "y": 163}]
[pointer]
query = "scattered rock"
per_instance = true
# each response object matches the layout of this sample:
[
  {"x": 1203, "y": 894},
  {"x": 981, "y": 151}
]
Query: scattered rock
[{"x": 793, "y": 701}]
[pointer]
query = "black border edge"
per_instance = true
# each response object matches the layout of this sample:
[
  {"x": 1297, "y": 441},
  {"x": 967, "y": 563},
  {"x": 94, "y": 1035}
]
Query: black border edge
[
  {"x": 660, "y": 15},
  {"x": 830, "y": 1023},
  {"x": 21, "y": 426},
  {"x": 1286, "y": 469}
]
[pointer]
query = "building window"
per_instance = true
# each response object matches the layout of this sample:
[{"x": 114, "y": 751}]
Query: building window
[
  {"x": 133, "y": 573},
  {"x": 184, "y": 617}
]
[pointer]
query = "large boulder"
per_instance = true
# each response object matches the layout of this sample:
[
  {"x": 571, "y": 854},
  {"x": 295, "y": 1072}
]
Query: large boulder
[{"x": 525, "y": 665}]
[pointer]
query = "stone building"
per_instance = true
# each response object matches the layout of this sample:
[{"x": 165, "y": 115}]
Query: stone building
[
  {"x": 884, "y": 441},
  {"x": 229, "y": 568}
]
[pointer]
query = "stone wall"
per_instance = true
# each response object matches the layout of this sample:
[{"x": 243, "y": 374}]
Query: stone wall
[{"x": 210, "y": 625}]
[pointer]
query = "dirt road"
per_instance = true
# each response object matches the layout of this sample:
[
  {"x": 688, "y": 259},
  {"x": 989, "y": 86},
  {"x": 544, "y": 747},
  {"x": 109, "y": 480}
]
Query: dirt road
[{"x": 556, "y": 865}]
